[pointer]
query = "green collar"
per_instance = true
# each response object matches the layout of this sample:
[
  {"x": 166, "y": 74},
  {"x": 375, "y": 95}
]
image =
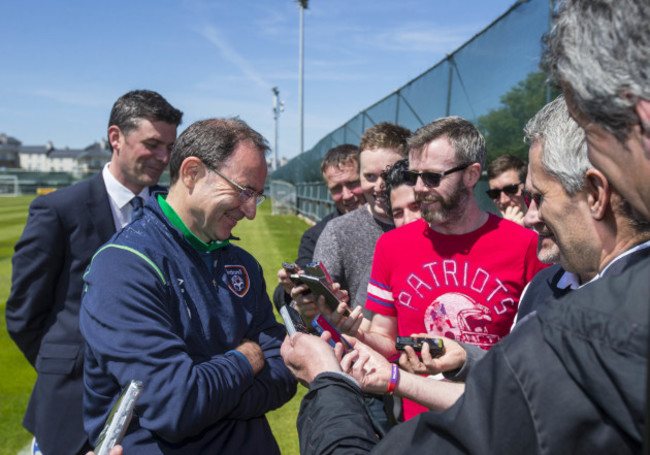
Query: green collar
[{"x": 178, "y": 223}]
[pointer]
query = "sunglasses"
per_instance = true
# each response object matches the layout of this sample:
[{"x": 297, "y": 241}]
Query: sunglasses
[
  {"x": 430, "y": 179},
  {"x": 530, "y": 197},
  {"x": 494, "y": 193}
]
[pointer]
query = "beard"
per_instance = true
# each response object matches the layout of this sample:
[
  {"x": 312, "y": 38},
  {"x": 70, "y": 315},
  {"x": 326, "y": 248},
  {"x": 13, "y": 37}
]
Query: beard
[{"x": 450, "y": 208}]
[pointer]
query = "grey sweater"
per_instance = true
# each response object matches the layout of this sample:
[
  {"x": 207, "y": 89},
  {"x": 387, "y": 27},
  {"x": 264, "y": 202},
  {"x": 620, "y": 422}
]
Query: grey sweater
[{"x": 346, "y": 248}]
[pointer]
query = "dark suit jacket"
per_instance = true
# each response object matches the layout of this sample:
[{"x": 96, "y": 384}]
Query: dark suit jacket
[
  {"x": 542, "y": 287},
  {"x": 63, "y": 231}
]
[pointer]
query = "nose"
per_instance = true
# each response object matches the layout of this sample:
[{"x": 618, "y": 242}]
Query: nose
[
  {"x": 410, "y": 216},
  {"x": 532, "y": 216},
  {"x": 249, "y": 208},
  {"x": 346, "y": 194},
  {"x": 420, "y": 187},
  {"x": 380, "y": 185},
  {"x": 503, "y": 197},
  {"x": 162, "y": 154}
]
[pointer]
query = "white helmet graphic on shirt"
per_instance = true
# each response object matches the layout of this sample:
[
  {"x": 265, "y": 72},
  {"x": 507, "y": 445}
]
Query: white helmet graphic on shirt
[{"x": 459, "y": 317}]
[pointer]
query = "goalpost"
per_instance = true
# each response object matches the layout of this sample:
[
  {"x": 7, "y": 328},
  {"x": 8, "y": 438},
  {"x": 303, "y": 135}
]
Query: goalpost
[{"x": 9, "y": 185}]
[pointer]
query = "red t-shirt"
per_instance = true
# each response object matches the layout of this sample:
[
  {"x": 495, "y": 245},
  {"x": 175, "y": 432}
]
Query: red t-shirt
[{"x": 464, "y": 287}]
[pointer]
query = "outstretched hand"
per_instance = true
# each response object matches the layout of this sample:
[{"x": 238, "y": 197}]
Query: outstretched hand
[
  {"x": 307, "y": 356},
  {"x": 343, "y": 319},
  {"x": 371, "y": 369},
  {"x": 453, "y": 357}
]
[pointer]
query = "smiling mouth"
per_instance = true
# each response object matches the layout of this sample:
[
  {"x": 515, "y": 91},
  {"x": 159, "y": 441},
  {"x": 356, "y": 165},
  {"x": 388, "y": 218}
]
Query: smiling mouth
[
  {"x": 156, "y": 169},
  {"x": 381, "y": 197},
  {"x": 427, "y": 201}
]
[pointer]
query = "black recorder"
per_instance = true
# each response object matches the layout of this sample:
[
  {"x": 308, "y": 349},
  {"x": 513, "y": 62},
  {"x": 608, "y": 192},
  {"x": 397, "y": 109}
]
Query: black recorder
[
  {"x": 436, "y": 347},
  {"x": 291, "y": 269}
]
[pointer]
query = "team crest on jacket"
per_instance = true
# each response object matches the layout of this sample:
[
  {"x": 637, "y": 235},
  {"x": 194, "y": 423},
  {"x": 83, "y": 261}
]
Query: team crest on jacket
[{"x": 237, "y": 279}]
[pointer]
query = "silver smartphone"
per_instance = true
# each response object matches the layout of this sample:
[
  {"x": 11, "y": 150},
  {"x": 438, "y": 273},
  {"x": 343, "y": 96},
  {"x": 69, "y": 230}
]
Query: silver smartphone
[
  {"x": 292, "y": 320},
  {"x": 119, "y": 418}
]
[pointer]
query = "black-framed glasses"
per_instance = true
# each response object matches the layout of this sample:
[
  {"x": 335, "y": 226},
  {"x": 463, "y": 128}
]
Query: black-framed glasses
[
  {"x": 530, "y": 197},
  {"x": 245, "y": 194},
  {"x": 430, "y": 179},
  {"x": 494, "y": 193}
]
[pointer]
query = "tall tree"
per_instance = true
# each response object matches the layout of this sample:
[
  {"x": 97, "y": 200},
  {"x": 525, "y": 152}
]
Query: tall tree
[{"x": 503, "y": 127}]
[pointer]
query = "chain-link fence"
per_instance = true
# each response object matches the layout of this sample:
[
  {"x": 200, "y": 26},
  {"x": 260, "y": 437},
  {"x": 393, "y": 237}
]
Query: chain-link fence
[{"x": 494, "y": 80}]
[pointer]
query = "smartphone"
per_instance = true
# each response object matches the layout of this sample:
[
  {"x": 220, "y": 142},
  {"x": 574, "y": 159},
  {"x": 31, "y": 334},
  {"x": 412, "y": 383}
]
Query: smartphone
[
  {"x": 318, "y": 269},
  {"x": 292, "y": 320},
  {"x": 318, "y": 288},
  {"x": 119, "y": 418},
  {"x": 436, "y": 346},
  {"x": 321, "y": 324}
]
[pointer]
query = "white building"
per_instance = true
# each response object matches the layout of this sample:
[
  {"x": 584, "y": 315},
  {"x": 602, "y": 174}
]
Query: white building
[{"x": 47, "y": 158}]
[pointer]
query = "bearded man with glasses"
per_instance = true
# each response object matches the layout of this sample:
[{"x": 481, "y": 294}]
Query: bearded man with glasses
[
  {"x": 171, "y": 302},
  {"x": 458, "y": 272},
  {"x": 506, "y": 176}
]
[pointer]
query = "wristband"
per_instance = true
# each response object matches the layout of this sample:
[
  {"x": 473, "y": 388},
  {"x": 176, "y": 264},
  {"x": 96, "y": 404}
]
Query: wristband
[{"x": 394, "y": 376}]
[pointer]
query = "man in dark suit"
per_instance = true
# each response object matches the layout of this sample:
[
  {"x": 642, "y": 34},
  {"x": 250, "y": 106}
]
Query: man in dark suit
[{"x": 63, "y": 231}]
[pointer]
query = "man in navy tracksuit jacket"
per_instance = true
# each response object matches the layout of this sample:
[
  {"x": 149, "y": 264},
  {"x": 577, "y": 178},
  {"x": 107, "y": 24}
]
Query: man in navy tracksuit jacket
[{"x": 169, "y": 303}]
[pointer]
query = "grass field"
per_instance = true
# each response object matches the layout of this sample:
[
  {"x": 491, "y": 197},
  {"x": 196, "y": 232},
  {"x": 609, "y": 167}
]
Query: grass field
[{"x": 271, "y": 239}]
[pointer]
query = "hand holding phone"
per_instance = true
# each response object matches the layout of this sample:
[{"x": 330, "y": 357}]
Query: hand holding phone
[
  {"x": 291, "y": 269},
  {"x": 119, "y": 418},
  {"x": 321, "y": 324},
  {"x": 319, "y": 287},
  {"x": 317, "y": 269},
  {"x": 436, "y": 346},
  {"x": 292, "y": 320}
]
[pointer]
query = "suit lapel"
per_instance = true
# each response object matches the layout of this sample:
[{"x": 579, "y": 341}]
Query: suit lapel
[{"x": 100, "y": 208}]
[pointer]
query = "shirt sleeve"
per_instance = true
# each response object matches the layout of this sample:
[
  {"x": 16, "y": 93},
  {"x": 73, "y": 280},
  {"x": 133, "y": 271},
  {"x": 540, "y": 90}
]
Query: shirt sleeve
[{"x": 274, "y": 385}]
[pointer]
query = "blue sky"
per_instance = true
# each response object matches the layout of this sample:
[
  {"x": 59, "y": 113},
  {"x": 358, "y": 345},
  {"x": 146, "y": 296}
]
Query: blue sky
[{"x": 64, "y": 62}]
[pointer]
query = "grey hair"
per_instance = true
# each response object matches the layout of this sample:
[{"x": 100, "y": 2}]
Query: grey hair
[
  {"x": 601, "y": 49},
  {"x": 564, "y": 149},
  {"x": 467, "y": 141}
]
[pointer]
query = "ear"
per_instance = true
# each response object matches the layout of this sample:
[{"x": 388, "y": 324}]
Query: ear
[
  {"x": 114, "y": 135},
  {"x": 598, "y": 193},
  {"x": 190, "y": 171},
  {"x": 643, "y": 111},
  {"x": 472, "y": 175}
]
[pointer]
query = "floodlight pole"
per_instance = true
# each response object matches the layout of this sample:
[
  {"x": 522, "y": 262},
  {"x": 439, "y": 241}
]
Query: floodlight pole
[
  {"x": 303, "y": 6},
  {"x": 277, "y": 108}
]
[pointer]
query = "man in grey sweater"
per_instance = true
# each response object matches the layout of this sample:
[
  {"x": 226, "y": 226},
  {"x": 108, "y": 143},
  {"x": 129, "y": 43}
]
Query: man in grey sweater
[{"x": 347, "y": 243}]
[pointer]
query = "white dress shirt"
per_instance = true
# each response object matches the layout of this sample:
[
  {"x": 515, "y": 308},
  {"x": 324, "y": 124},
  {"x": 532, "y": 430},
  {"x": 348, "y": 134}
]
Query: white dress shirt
[{"x": 120, "y": 197}]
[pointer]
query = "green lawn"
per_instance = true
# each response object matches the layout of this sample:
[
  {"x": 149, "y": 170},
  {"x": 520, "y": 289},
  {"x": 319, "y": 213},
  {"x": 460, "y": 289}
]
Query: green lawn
[{"x": 271, "y": 239}]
